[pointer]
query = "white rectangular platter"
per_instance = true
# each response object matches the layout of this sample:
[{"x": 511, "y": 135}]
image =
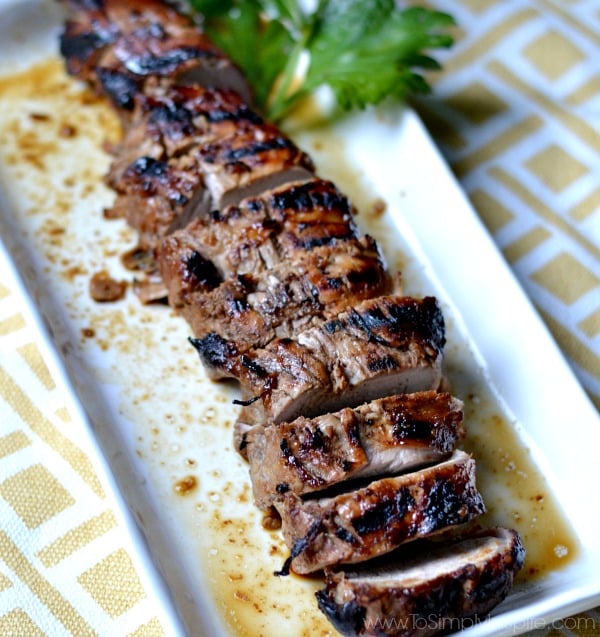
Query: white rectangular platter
[{"x": 165, "y": 431}]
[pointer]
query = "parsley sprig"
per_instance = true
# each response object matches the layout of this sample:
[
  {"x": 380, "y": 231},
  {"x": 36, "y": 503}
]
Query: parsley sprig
[{"x": 363, "y": 50}]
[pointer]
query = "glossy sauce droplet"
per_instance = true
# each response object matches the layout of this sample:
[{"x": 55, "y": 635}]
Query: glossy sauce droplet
[{"x": 186, "y": 485}]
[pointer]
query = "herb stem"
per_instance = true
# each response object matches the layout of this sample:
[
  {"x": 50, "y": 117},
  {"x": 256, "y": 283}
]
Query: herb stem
[{"x": 284, "y": 95}]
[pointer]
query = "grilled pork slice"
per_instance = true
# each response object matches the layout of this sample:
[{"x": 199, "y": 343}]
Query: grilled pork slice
[
  {"x": 250, "y": 311},
  {"x": 121, "y": 48},
  {"x": 171, "y": 120},
  {"x": 257, "y": 235},
  {"x": 158, "y": 197},
  {"x": 375, "y": 519},
  {"x": 255, "y": 156},
  {"x": 429, "y": 593},
  {"x": 388, "y": 436},
  {"x": 384, "y": 346}
]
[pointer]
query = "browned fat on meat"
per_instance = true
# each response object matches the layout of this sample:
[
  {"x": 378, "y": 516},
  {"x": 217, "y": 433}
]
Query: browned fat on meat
[
  {"x": 388, "y": 436},
  {"x": 255, "y": 236},
  {"x": 384, "y": 346},
  {"x": 434, "y": 591},
  {"x": 124, "y": 47},
  {"x": 375, "y": 519}
]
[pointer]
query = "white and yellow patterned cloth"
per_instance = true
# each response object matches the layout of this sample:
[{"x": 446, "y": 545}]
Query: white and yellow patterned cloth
[
  {"x": 67, "y": 566},
  {"x": 517, "y": 114}
]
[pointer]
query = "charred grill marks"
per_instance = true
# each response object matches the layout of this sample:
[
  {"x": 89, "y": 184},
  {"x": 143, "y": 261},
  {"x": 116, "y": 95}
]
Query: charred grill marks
[
  {"x": 438, "y": 582},
  {"x": 380, "y": 516},
  {"x": 166, "y": 63},
  {"x": 309, "y": 455}
]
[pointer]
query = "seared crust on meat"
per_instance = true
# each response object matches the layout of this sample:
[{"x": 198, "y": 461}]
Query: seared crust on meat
[
  {"x": 88, "y": 32},
  {"x": 167, "y": 123},
  {"x": 427, "y": 593},
  {"x": 259, "y": 234},
  {"x": 206, "y": 145},
  {"x": 157, "y": 197},
  {"x": 121, "y": 48},
  {"x": 388, "y": 436},
  {"x": 384, "y": 346},
  {"x": 251, "y": 311},
  {"x": 370, "y": 521},
  {"x": 254, "y": 158}
]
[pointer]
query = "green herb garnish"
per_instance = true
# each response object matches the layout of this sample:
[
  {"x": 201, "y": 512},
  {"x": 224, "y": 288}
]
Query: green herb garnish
[{"x": 364, "y": 50}]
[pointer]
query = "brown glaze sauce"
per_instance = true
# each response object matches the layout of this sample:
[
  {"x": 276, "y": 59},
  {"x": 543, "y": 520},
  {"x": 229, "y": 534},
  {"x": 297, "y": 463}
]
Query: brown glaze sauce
[
  {"x": 196, "y": 453},
  {"x": 186, "y": 486}
]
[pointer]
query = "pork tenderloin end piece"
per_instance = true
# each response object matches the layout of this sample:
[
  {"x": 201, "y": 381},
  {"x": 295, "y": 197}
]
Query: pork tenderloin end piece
[
  {"x": 430, "y": 593},
  {"x": 388, "y": 436},
  {"x": 119, "y": 47},
  {"x": 375, "y": 519}
]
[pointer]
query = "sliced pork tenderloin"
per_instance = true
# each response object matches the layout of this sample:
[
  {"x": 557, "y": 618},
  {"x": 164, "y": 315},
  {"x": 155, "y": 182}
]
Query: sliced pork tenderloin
[
  {"x": 252, "y": 310},
  {"x": 387, "y": 436},
  {"x": 169, "y": 121},
  {"x": 257, "y": 235},
  {"x": 441, "y": 588},
  {"x": 209, "y": 176},
  {"x": 158, "y": 197},
  {"x": 374, "y": 519},
  {"x": 123, "y": 48},
  {"x": 384, "y": 346},
  {"x": 255, "y": 158}
]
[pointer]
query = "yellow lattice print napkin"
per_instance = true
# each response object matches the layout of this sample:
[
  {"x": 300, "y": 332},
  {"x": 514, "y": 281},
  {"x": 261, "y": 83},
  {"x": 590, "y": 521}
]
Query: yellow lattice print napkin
[
  {"x": 66, "y": 565},
  {"x": 516, "y": 112}
]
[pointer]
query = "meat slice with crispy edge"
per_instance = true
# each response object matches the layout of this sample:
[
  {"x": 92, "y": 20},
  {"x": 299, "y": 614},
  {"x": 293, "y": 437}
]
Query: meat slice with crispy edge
[
  {"x": 387, "y": 436},
  {"x": 253, "y": 157},
  {"x": 374, "y": 519},
  {"x": 252, "y": 310},
  {"x": 388, "y": 345},
  {"x": 442, "y": 588},
  {"x": 123, "y": 47},
  {"x": 168, "y": 121},
  {"x": 260, "y": 233}
]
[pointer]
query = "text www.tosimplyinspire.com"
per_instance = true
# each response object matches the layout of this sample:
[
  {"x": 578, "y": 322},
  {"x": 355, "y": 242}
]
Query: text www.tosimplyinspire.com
[
  {"x": 458, "y": 624},
  {"x": 422, "y": 622}
]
